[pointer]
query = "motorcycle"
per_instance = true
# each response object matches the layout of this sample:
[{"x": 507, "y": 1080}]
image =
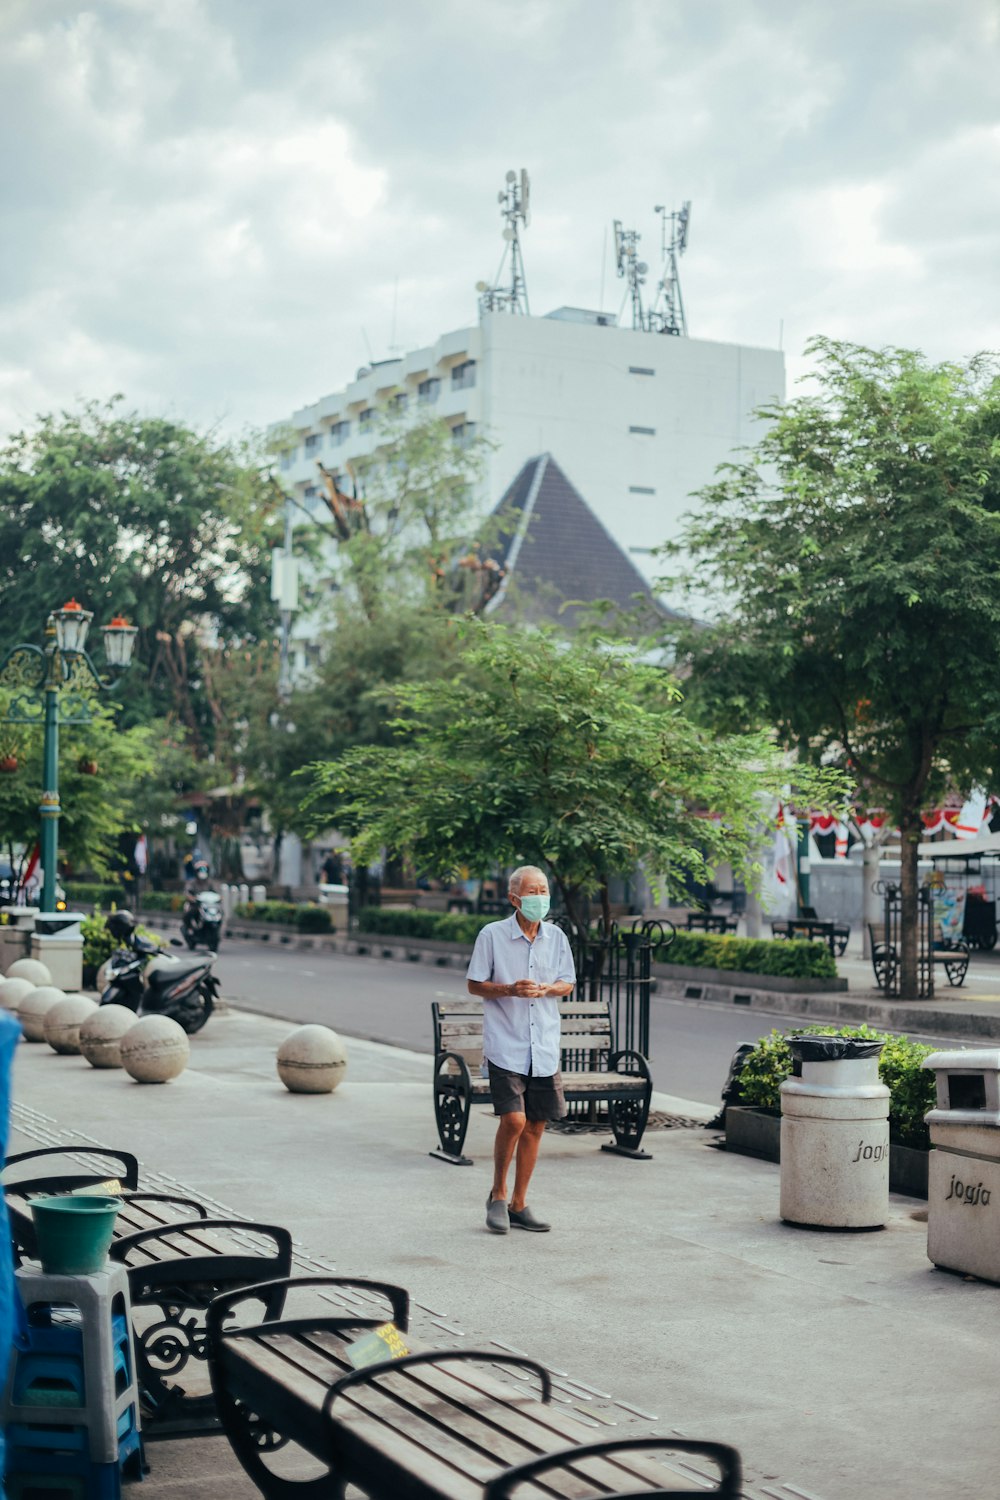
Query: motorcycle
[
  {"x": 153, "y": 983},
  {"x": 201, "y": 920}
]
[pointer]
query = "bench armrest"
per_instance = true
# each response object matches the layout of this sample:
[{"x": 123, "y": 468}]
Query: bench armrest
[
  {"x": 614, "y": 1058},
  {"x": 198, "y": 1209},
  {"x": 435, "y": 1357},
  {"x": 281, "y": 1238},
  {"x": 129, "y": 1177},
  {"x": 726, "y": 1457},
  {"x": 266, "y": 1291}
]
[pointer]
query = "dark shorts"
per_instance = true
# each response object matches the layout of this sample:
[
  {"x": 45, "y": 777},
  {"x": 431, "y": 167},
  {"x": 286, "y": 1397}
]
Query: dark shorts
[{"x": 518, "y": 1093}]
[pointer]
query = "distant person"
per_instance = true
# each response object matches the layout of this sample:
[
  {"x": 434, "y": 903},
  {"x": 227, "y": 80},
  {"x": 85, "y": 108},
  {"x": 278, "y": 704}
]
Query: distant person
[
  {"x": 332, "y": 868},
  {"x": 520, "y": 968}
]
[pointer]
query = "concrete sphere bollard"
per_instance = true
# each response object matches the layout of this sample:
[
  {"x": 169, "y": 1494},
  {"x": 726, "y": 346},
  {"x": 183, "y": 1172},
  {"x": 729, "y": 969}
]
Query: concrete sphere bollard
[
  {"x": 31, "y": 969},
  {"x": 33, "y": 1009},
  {"x": 101, "y": 1035},
  {"x": 155, "y": 1050},
  {"x": 13, "y": 991},
  {"x": 312, "y": 1060},
  {"x": 63, "y": 1020}
]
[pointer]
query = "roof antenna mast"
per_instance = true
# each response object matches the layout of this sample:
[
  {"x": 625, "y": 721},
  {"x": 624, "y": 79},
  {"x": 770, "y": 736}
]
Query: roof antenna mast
[
  {"x": 632, "y": 269},
  {"x": 515, "y": 210},
  {"x": 667, "y": 313}
]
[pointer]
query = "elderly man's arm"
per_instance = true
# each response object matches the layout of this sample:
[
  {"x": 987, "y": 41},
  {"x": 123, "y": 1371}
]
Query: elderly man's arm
[{"x": 524, "y": 989}]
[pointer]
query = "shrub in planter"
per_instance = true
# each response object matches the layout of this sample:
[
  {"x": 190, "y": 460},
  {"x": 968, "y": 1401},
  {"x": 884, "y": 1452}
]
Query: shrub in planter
[
  {"x": 443, "y": 926},
  {"x": 163, "y": 900},
  {"x": 281, "y": 913},
  {"x": 91, "y": 893},
  {"x": 794, "y": 960},
  {"x": 912, "y": 1091},
  {"x": 313, "y": 919}
]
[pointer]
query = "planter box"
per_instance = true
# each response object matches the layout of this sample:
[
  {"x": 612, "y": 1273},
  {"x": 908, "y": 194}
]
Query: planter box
[
  {"x": 754, "y": 1132},
  {"x": 738, "y": 979}
]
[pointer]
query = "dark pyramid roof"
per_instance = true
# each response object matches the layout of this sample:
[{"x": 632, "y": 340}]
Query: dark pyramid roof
[{"x": 554, "y": 549}]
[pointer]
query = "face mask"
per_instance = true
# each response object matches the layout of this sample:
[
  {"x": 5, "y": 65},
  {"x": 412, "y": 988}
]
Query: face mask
[{"x": 534, "y": 908}]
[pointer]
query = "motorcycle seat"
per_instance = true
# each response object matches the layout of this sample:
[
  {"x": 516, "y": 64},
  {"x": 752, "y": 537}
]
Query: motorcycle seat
[{"x": 159, "y": 978}]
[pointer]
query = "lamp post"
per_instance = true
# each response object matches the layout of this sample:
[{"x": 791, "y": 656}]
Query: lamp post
[{"x": 49, "y": 685}]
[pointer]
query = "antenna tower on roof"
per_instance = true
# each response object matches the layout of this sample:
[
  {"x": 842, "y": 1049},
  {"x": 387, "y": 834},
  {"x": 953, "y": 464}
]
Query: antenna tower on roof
[
  {"x": 632, "y": 269},
  {"x": 515, "y": 210},
  {"x": 667, "y": 313}
]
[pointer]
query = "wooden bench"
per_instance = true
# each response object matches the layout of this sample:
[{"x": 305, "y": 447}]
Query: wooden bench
[
  {"x": 593, "y": 1070},
  {"x": 952, "y": 954},
  {"x": 177, "y": 1258},
  {"x": 432, "y": 1425}
]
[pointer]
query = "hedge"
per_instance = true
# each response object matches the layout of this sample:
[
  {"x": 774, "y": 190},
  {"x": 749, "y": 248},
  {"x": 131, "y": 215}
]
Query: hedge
[
  {"x": 162, "y": 900},
  {"x": 305, "y": 918},
  {"x": 912, "y": 1089},
  {"x": 793, "y": 960},
  {"x": 93, "y": 894},
  {"x": 442, "y": 926}
]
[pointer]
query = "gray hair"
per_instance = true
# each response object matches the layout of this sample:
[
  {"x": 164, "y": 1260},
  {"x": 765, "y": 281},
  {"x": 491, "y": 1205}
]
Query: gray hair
[{"x": 520, "y": 874}]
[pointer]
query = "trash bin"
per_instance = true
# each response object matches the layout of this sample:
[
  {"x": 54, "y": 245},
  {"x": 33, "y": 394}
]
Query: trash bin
[
  {"x": 835, "y": 1135},
  {"x": 963, "y": 1178},
  {"x": 57, "y": 942}
]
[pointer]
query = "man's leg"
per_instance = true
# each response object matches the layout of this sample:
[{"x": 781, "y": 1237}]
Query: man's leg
[
  {"x": 527, "y": 1155},
  {"x": 509, "y": 1133}
]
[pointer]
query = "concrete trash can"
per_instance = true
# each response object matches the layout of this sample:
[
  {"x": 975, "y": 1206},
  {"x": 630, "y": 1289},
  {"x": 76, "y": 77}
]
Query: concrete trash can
[
  {"x": 835, "y": 1135},
  {"x": 963, "y": 1187},
  {"x": 57, "y": 942}
]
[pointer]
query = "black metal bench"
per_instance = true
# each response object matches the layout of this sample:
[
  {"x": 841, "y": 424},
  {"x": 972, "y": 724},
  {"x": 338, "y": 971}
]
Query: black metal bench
[
  {"x": 593, "y": 1070},
  {"x": 432, "y": 1425},
  {"x": 709, "y": 921},
  {"x": 177, "y": 1258},
  {"x": 952, "y": 954},
  {"x": 814, "y": 929}
]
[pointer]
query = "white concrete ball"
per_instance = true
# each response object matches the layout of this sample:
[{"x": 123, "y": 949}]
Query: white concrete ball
[
  {"x": 101, "y": 1035},
  {"x": 33, "y": 1009},
  {"x": 155, "y": 1050},
  {"x": 312, "y": 1060},
  {"x": 63, "y": 1020},
  {"x": 29, "y": 968},
  {"x": 13, "y": 991}
]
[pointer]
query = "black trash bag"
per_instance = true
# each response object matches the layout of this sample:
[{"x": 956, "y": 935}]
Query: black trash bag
[
  {"x": 832, "y": 1048},
  {"x": 731, "y": 1093}
]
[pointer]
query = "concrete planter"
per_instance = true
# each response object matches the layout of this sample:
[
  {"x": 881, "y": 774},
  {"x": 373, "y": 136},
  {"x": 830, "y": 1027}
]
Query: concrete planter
[
  {"x": 751, "y": 1131},
  {"x": 738, "y": 979}
]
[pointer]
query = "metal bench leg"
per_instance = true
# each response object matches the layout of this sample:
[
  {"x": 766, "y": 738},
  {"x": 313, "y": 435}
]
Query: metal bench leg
[
  {"x": 251, "y": 1438},
  {"x": 630, "y": 1113},
  {"x": 452, "y": 1107}
]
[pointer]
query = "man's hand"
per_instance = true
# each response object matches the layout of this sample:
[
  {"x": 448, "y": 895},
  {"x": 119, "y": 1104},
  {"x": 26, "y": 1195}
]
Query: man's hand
[{"x": 528, "y": 989}]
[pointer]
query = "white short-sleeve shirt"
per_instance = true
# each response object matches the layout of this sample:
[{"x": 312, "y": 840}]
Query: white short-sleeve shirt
[{"x": 521, "y": 1035}]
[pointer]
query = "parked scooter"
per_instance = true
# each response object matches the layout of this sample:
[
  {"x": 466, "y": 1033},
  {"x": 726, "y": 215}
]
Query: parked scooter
[
  {"x": 147, "y": 980},
  {"x": 201, "y": 920}
]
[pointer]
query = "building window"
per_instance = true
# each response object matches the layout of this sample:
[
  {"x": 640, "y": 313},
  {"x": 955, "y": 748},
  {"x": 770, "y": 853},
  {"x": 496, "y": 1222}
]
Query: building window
[
  {"x": 287, "y": 459},
  {"x": 641, "y": 489},
  {"x": 400, "y": 401},
  {"x": 313, "y": 441},
  {"x": 366, "y": 419},
  {"x": 464, "y": 433},
  {"x": 463, "y": 377},
  {"x": 643, "y": 431},
  {"x": 428, "y": 390},
  {"x": 339, "y": 433},
  {"x": 310, "y": 499},
  {"x": 640, "y": 370}
]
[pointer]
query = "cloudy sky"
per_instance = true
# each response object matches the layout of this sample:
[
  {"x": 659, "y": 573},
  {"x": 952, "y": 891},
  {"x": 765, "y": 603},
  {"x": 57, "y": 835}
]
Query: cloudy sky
[{"x": 219, "y": 207}]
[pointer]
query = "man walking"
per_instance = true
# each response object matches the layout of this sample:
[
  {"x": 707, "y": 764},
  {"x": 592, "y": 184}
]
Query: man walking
[{"x": 519, "y": 969}]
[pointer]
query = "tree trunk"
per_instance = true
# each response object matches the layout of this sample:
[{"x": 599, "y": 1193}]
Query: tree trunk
[
  {"x": 871, "y": 901},
  {"x": 911, "y": 829}
]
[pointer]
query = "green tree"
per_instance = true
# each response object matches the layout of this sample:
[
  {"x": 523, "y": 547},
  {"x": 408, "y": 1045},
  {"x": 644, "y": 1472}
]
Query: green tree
[
  {"x": 856, "y": 552},
  {"x": 102, "y": 769},
  {"x": 144, "y": 516},
  {"x": 576, "y": 757}
]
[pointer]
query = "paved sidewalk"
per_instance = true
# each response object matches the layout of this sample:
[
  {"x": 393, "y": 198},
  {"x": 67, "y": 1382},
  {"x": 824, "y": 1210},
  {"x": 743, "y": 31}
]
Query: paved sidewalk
[{"x": 668, "y": 1294}]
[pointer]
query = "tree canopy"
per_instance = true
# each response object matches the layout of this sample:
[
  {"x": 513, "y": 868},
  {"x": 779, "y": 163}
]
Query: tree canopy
[
  {"x": 855, "y": 552},
  {"x": 573, "y": 756},
  {"x": 145, "y": 517}
]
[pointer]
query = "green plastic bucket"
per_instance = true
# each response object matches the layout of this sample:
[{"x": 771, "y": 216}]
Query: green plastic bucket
[{"x": 74, "y": 1234}]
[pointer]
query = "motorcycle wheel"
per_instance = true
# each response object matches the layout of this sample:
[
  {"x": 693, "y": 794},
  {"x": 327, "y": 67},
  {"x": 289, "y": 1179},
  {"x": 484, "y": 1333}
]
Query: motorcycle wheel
[
  {"x": 189, "y": 937},
  {"x": 198, "y": 1014}
]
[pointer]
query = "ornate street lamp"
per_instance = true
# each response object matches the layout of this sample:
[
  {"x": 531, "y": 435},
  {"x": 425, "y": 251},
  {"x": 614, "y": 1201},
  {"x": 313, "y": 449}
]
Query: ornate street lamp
[{"x": 49, "y": 685}]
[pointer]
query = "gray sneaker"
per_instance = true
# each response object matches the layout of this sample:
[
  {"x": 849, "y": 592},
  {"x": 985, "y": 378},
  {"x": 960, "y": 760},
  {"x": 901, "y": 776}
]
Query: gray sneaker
[
  {"x": 497, "y": 1217},
  {"x": 524, "y": 1219}
]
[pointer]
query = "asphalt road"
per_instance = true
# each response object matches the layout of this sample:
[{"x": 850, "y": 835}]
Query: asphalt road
[{"x": 386, "y": 1000}]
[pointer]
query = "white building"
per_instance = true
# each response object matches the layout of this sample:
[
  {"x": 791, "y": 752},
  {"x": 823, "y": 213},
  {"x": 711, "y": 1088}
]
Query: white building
[{"x": 637, "y": 421}]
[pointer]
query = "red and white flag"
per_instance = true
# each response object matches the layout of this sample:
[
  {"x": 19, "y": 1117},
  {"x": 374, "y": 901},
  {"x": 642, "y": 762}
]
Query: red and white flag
[
  {"x": 970, "y": 819},
  {"x": 785, "y": 838}
]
